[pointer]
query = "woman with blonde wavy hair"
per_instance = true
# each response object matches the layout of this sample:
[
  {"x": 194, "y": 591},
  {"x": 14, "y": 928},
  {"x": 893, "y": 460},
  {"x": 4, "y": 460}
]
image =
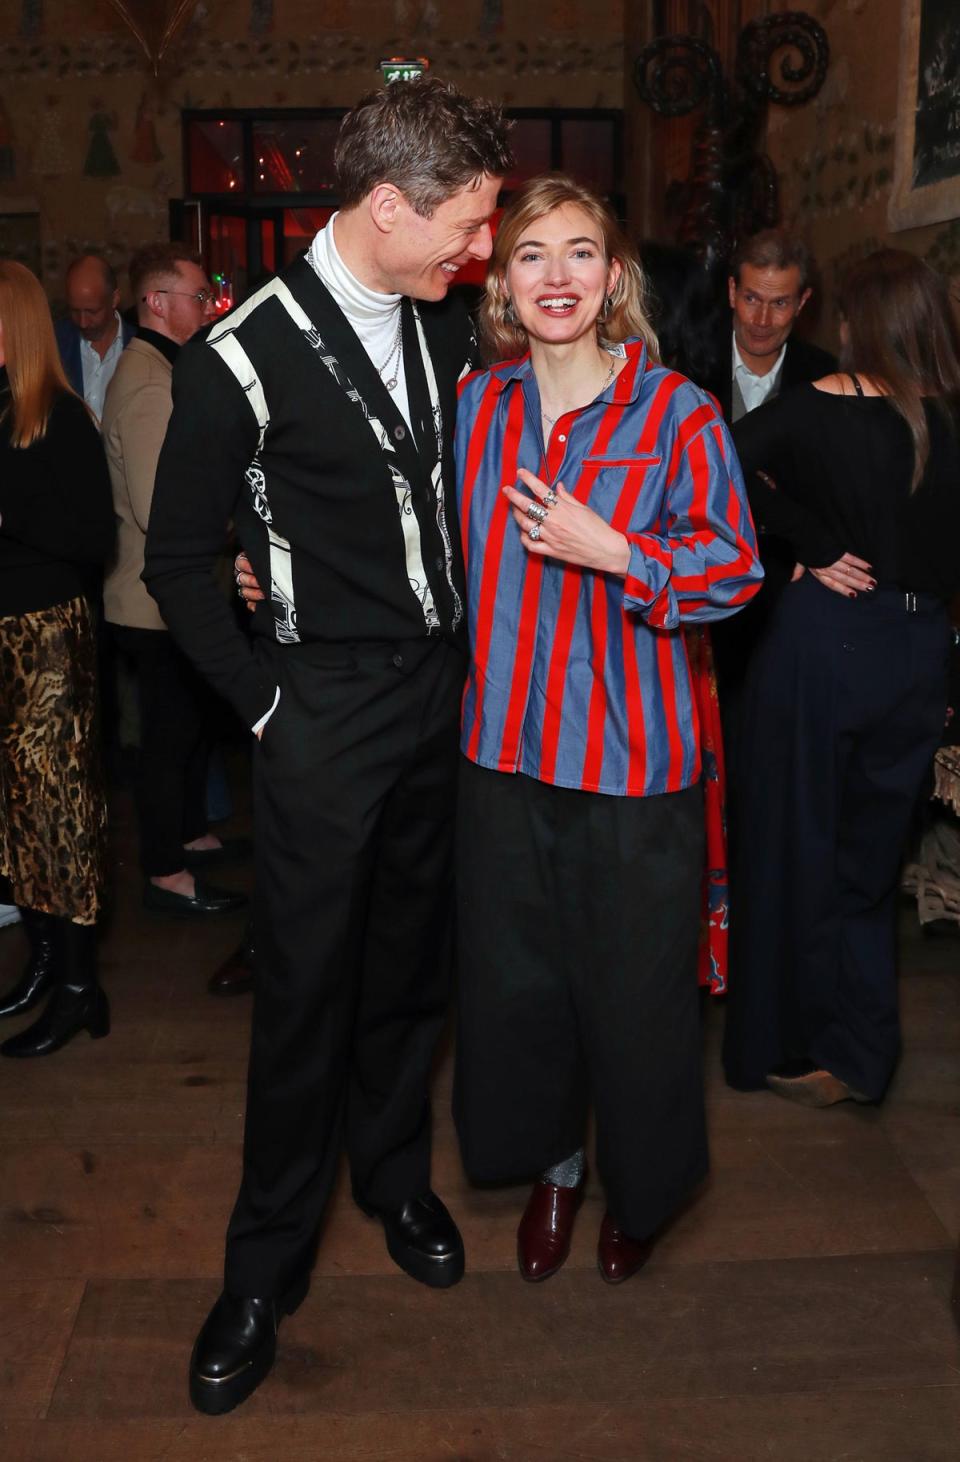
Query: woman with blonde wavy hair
[
  {"x": 602, "y": 510},
  {"x": 56, "y": 530}
]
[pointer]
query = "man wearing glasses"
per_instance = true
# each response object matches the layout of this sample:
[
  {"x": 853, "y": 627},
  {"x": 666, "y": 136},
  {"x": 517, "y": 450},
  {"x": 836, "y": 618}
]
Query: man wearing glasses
[{"x": 174, "y": 299}]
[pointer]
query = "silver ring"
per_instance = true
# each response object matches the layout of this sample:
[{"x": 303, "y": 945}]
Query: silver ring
[
  {"x": 534, "y": 532},
  {"x": 536, "y": 511},
  {"x": 551, "y": 498}
]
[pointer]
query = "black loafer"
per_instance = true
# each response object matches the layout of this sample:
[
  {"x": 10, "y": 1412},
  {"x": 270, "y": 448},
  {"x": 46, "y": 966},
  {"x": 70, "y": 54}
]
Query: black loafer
[
  {"x": 424, "y": 1241},
  {"x": 236, "y": 1347},
  {"x": 206, "y": 900},
  {"x": 231, "y": 850}
]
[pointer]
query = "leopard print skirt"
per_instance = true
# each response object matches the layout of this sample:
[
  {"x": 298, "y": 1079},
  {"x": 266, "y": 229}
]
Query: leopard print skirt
[{"x": 53, "y": 815}]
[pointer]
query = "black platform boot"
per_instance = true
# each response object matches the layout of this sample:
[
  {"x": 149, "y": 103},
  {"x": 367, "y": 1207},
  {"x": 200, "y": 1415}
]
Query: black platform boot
[
  {"x": 77, "y": 1003},
  {"x": 40, "y": 973}
]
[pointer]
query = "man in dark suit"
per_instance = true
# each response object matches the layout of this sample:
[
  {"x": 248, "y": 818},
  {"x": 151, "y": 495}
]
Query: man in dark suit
[
  {"x": 93, "y": 335},
  {"x": 318, "y": 416},
  {"x": 768, "y": 288}
]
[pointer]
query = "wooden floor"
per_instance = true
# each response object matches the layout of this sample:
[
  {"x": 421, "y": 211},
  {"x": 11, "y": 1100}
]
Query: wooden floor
[{"x": 797, "y": 1310}]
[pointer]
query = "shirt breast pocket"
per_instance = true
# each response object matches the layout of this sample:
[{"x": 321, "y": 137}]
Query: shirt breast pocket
[{"x": 612, "y": 485}]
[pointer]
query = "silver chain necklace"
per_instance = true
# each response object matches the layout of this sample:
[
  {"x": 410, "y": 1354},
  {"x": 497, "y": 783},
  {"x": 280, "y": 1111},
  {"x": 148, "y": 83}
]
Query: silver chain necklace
[
  {"x": 392, "y": 362},
  {"x": 552, "y": 420}
]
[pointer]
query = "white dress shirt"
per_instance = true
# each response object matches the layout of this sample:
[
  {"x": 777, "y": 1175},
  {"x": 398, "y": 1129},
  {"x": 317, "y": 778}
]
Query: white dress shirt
[
  {"x": 98, "y": 370},
  {"x": 753, "y": 388}
]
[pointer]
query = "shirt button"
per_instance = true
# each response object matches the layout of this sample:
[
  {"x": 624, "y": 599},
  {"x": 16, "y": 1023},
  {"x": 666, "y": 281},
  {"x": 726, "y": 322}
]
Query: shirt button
[
  {"x": 399, "y": 432},
  {"x": 398, "y": 661}
]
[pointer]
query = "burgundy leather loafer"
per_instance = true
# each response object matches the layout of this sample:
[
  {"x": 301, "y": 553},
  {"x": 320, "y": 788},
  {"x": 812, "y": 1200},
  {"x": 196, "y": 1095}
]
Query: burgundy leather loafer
[
  {"x": 619, "y": 1256},
  {"x": 543, "y": 1238},
  {"x": 811, "y": 1086}
]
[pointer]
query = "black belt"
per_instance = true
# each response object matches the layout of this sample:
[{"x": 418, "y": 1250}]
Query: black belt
[{"x": 911, "y": 601}]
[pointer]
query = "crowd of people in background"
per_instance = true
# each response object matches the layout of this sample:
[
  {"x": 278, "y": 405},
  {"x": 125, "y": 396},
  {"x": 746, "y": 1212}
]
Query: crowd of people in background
[{"x": 623, "y": 505}]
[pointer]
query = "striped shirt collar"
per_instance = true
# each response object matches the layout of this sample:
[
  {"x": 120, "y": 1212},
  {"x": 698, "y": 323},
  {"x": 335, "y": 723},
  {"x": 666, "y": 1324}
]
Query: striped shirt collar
[{"x": 521, "y": 369}]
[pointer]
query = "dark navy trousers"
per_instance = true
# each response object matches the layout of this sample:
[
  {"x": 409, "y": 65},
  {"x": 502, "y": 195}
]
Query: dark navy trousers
[{"x": 844, "y": 707}]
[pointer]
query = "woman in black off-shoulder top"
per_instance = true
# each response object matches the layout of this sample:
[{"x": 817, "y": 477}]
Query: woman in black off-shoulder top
[{"x": 846, "y": 695}]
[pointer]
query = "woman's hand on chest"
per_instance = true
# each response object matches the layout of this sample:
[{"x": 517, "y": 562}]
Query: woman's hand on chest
[{"x": 553, "y": 524}]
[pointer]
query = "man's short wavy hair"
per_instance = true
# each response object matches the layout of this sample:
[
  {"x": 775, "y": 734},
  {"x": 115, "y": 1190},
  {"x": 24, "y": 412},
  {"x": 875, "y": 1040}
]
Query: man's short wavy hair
[
  {"x": 773, "y": 248},
  {"x": 156, "y": 264},
  {"x": 425, "y": 137}
]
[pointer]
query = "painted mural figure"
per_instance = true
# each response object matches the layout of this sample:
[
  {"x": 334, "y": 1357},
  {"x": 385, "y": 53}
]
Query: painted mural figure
[
  {"x": 261, "y": 17},
  {"x": 31, "y": 17},
  {"x": 50, "y": 158},
  {"x": 491, "y": 17},
  {"x": 101, "y": 160},
  {"x": 145, "y": 148}
]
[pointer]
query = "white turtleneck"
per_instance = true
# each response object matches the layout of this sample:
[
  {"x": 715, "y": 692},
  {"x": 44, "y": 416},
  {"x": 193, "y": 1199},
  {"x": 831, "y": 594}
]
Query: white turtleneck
[{"x": 374, "y": 316}]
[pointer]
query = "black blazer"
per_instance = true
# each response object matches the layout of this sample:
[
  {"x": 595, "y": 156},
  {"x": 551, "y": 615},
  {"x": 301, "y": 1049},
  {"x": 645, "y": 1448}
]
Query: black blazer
[
  {"x": 68, "y": 343},
  {"x": 735, "y": 639},
  {"x": 802, "y": 362}
]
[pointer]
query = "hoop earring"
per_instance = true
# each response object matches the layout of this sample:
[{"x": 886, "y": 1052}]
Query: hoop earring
[
  {"x": 510, "y": 314},
  {"x": 607, "y": 305}
]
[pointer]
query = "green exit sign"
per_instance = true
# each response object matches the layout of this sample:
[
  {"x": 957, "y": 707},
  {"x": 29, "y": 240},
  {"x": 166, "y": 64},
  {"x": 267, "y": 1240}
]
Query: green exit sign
[{"x": 403, "y": 68}]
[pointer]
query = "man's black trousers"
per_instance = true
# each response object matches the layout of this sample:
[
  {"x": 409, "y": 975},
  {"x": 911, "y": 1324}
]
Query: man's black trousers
[
  {"x": 171, "y": 785},
  {"x": 354, "y": 784}
]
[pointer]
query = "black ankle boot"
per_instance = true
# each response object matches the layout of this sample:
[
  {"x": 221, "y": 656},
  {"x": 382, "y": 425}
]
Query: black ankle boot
[
  {"x": 77, "y": 1003},
  {"x": 42, "y": 931}
]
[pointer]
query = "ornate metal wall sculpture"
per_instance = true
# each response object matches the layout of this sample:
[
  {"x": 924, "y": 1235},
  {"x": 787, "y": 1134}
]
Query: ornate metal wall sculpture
[{"x": 732, "y": 187}]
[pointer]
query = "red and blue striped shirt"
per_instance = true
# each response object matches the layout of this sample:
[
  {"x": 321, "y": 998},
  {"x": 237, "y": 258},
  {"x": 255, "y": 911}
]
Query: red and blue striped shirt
[{"x": 581, "y": 678}]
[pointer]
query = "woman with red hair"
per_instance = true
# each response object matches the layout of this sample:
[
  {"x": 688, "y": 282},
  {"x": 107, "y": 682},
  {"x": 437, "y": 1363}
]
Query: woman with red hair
[{"x": 56, "y": 531}]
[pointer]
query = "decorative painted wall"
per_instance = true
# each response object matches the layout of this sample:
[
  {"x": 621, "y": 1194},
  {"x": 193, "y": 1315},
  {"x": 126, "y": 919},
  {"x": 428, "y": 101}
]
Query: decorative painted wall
[
  {"x": 836, "y": 156},
  {"x": 90, "y": 144}
]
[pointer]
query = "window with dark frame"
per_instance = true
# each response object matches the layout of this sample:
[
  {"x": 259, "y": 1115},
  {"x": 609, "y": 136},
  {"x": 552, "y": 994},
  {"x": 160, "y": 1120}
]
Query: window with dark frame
[{"x": 260, "y": 183}]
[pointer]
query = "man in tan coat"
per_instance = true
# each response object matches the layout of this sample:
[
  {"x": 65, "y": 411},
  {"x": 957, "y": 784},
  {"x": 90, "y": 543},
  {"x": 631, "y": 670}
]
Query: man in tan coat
[{"x": 173, "y": 299}]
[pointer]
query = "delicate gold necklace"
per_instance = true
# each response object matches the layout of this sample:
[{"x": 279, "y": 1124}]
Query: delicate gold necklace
[{"x": 552, "y": 420}]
